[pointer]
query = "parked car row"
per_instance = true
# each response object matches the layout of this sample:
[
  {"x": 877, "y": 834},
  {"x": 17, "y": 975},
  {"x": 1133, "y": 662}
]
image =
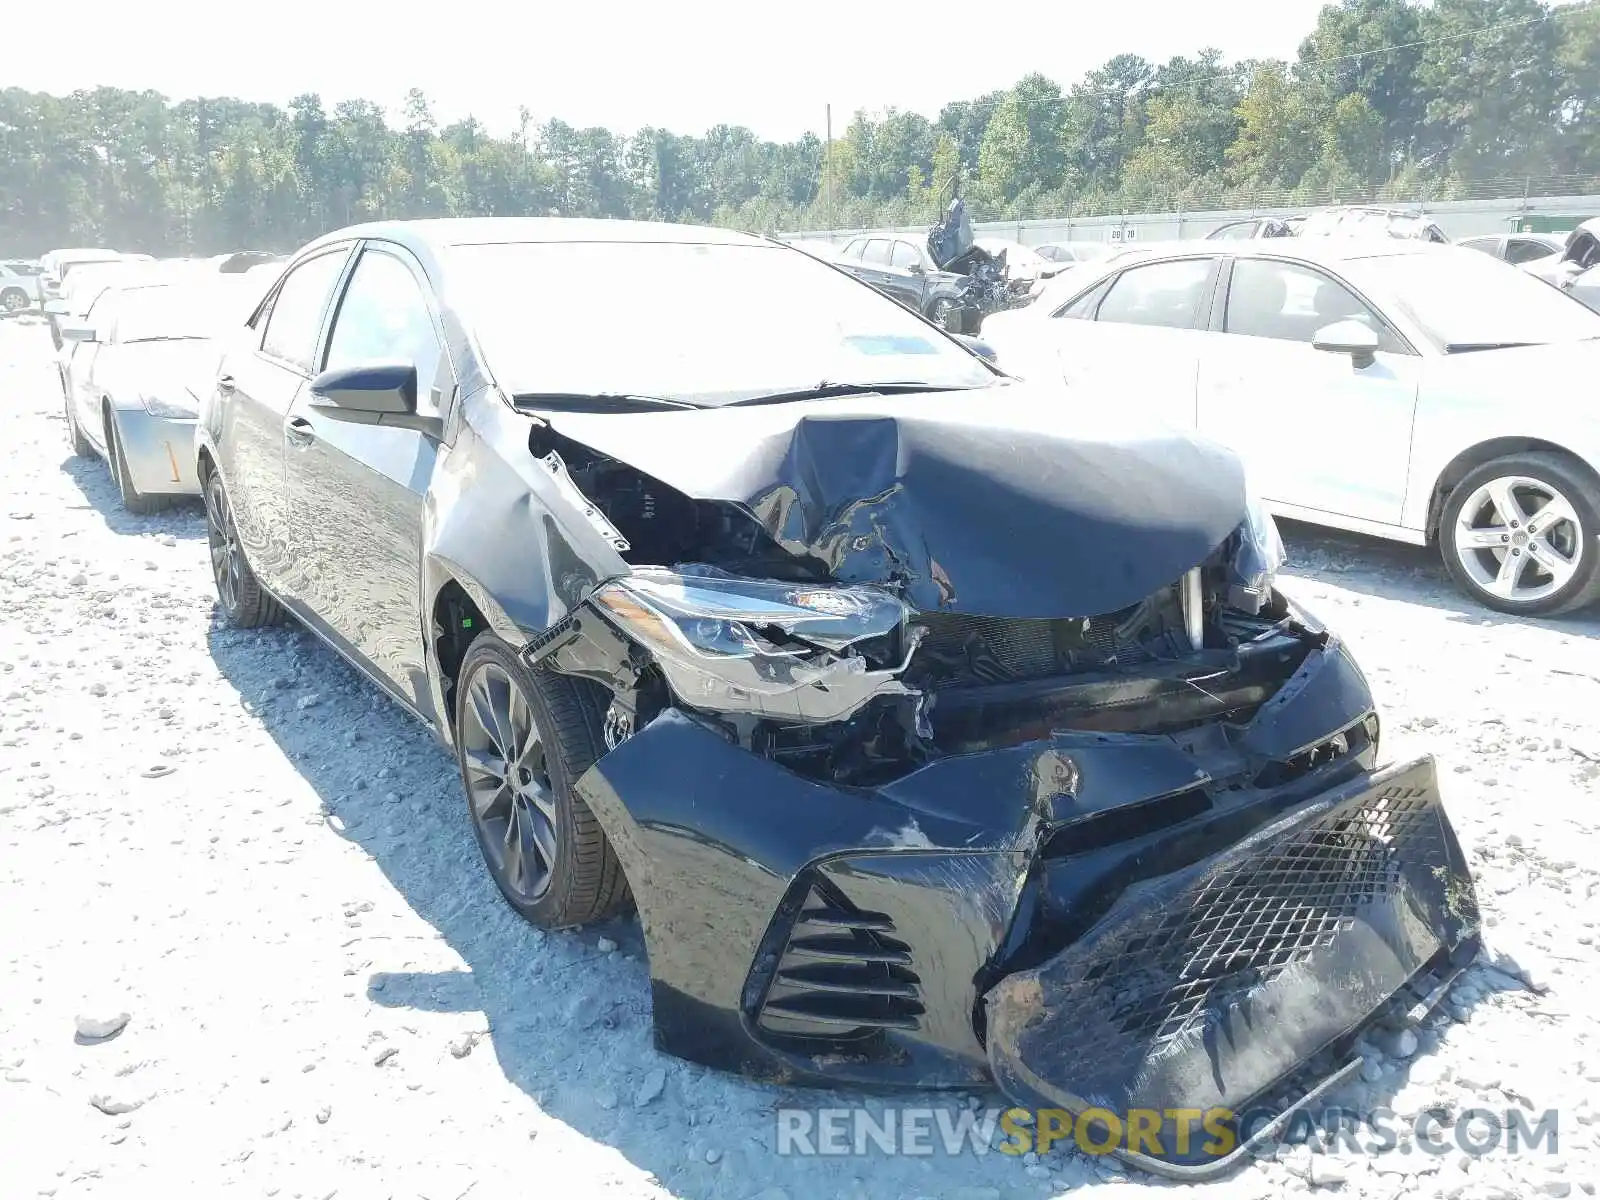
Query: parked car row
[{"x": 798, "y": 626}]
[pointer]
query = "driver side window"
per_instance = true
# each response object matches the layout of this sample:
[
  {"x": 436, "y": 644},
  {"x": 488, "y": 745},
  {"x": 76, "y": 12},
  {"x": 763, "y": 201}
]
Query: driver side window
[{"x": 384, "y": 316}]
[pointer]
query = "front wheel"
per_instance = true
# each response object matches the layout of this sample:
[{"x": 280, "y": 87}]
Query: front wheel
[
  {"x": 81, "y": 445},
  {"x": 13, "y": 300},
  {"x": 1521, "y": 535},
  {"x": 523, "y": 738},
  {"x": 942, "y": 312},
  {"x": 244, "y": 602}
]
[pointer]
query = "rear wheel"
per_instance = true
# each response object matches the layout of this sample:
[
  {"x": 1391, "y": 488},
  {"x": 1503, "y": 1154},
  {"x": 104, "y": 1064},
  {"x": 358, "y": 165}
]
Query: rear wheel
[
  {"x": 133, "y": 499},
  {"x": 523, "y": 738},
  {"x": 244, "y": 602},
  {"x": 1521, "y": 534}
]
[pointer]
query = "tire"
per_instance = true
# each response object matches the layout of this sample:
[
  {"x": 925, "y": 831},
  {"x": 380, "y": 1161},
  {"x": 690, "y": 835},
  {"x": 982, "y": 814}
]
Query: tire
[
  {"x": 133, "y": 499},
  {"x": 558, "y": 735},
  {"x": 1555, "y": 565},
  {"x": 244, "y": 602},
  {"x": 13, "y": 300},
  {"x": 942, "y": 312},
  {"x": 80, "y": 444}
]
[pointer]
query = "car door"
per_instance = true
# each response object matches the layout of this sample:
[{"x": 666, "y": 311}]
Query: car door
[
  {"x": 1317, "y": 429},
  {"x": 1137, "y": 335},
  {"x": 904, "y": 257},
  {"x": 257, "y": 382},
  {"x": 356, "y": 491}
]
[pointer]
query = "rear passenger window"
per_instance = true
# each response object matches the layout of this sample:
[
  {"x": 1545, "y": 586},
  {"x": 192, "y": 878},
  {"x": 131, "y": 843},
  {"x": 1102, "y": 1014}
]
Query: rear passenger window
[
  {"x": 1166, "y": 294},
  {"x": 295, "y": 318}
]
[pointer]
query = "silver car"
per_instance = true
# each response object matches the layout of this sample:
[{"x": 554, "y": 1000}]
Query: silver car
[{"x": 139, "y": 358}]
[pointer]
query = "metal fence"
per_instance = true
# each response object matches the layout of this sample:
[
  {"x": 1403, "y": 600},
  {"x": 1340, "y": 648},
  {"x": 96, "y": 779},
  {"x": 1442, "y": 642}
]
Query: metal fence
[{"x": 1458, "y": 217}]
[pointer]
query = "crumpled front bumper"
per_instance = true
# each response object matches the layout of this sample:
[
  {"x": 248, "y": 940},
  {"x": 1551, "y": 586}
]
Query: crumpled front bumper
[
  {"x": 1127, "y": 921},
  {"x": 1203, "y": 989}
]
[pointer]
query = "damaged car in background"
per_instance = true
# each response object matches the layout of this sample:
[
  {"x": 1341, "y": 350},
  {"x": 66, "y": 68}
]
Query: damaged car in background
[{"x": 937, "y": 733}]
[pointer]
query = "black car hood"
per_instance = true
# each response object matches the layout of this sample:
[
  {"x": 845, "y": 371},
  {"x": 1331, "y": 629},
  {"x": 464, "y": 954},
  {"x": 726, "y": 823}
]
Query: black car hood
[{"x": 1007, "y": 502}]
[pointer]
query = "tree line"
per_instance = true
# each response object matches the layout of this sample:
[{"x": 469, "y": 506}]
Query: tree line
[{"x": 1386, "y": 99}]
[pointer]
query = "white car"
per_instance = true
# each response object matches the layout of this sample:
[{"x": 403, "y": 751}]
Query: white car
[
  {"x": 17, "y": 291},
  {"x": 1423, "y": 393},
  {"x": 142, "y": 355},
  {"x": 1575, "y": 266}
]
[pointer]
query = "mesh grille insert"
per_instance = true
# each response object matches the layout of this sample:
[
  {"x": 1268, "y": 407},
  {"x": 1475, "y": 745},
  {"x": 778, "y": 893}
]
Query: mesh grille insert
[{"x": 1241, "y": 928}]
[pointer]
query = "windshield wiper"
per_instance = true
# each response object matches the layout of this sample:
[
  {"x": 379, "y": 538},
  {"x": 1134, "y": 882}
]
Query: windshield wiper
[
  {"x": 828, "y": 388},
  {"x": 169, "y": 337},
  {"x": 597, "y": 401},
  {"x": 1469, "y": 347}
]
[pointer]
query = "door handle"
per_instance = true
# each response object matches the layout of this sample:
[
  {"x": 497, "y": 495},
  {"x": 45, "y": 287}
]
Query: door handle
[
  {"x": 300, "y": 430},
  {"x": 225, "y": 383}
]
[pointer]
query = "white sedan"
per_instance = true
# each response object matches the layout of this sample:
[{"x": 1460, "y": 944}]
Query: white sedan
[{"x": 1422, "y": 393}]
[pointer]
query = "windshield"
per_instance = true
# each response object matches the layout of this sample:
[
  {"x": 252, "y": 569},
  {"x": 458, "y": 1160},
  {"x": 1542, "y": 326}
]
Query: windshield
[
  {"x": 176, "y": 312},
  {"x": 1464, "y": 299},
  {"x": 702, "y": 324}
]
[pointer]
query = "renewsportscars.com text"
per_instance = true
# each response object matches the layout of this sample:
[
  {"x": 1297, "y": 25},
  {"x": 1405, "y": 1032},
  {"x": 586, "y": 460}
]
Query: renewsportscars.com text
[{"x": 846, "y": 1132}]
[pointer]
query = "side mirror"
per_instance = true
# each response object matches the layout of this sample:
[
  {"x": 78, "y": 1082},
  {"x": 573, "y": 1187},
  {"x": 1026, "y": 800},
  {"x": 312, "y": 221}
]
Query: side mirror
[
  {"x": 977, "y": 345},
  {"x": 917, "y": 268},
  {"x": 1348, "y": 337},
  {"x": 376, "y": 393},
  {"x": 77, "y": 333}
]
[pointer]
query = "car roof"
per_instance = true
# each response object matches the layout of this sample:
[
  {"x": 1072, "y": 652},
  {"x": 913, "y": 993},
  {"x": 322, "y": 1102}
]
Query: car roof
[
  {"x": 1327, "y": 250},
  {"x": 436, "y": 233}
]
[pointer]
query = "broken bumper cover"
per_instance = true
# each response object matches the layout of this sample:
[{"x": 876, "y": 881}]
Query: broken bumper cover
[
  {"x": 1201, "y": 991},
  {"x": 1002, "y": 915}
]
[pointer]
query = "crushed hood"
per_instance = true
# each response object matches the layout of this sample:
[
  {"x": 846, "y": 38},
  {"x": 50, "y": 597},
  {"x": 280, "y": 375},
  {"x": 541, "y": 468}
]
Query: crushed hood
[{"x": 1000, "y": 502}]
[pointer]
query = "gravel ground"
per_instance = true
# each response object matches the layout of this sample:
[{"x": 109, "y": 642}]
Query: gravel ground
[{"x": 236, "y": 841}]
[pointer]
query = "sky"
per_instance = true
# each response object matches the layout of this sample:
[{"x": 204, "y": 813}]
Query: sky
[{"x": 773, "y": 68}]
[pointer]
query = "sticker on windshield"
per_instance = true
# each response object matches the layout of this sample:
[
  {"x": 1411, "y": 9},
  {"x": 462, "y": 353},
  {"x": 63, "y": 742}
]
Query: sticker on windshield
[{"x": 878, "y": 343}]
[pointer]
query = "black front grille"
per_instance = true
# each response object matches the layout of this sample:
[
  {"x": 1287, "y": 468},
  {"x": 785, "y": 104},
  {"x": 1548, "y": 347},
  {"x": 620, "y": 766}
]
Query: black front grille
[
  {"x": 841, "y": 972},
  {"x": 1235, "y": 931},
  {"x": 961, "y": 648}
]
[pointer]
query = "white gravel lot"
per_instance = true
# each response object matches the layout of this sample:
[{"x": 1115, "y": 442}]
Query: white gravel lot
[{"x": 237, "y": 841}]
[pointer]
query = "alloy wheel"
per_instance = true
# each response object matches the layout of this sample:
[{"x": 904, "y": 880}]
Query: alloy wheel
[
  {"x": 508, "y": 782},
  {"x": 1519, "y": 539},
  {"x": 14, "y": 301},
  {"x": 227, "y": 559}
]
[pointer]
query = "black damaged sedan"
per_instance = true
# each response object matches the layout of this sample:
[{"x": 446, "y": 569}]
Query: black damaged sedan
[{"x": 937, "y": 730}]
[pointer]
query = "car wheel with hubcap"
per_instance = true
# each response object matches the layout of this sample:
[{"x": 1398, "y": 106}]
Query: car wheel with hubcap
[
  {"x": 133, "y": 499},
  {"x": 244, "y": 602},
  {"x": 13, "y": 300},
  {"x": 942, "y": 312},
  {"x": 523, "y": 738},
  {"x": 1520, "y": 534}
]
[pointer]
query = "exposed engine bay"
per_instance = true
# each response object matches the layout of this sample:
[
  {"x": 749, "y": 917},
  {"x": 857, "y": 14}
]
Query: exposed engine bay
[{"x": 852, "y": 685}]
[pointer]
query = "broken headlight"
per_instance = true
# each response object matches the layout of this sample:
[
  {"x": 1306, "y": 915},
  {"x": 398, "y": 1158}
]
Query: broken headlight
[
  {"x": 1257, "y": 558},
  {"x": 788, "y": 652}
]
